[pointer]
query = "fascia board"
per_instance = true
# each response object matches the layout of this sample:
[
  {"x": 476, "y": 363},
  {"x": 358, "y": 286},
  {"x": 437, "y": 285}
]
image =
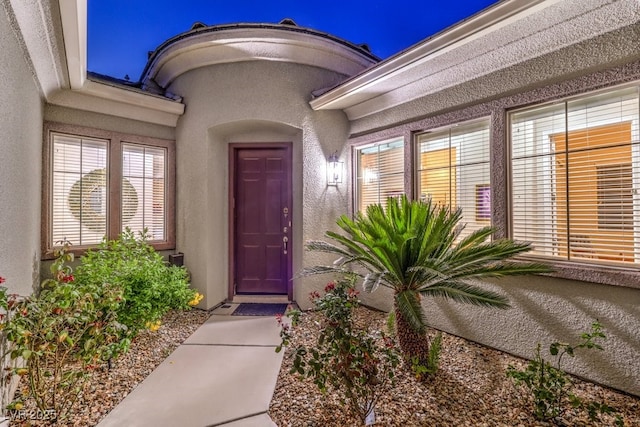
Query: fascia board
[
  {"x": 364, "y": 86},
  {"x": 74, "y": 23},
  {"x": 113, "y": 106},
  {"x": 249, "y": 44}
]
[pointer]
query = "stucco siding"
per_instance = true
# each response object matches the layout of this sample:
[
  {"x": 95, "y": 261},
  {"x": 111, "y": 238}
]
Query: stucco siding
[
  {"x": 72, "y": 116},
  {"x": 21, "y": 146},
  {"x": 544, "y": 309},
  {"x": 257, "y": 101}
]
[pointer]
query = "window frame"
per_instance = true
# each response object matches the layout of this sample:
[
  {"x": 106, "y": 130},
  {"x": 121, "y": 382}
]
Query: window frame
[
  {"x": 115, "y": 142},
  {"x": 356, "y": 164},
  {"x": 575, "y": 268},
  {"x": 482, "y": 123}
]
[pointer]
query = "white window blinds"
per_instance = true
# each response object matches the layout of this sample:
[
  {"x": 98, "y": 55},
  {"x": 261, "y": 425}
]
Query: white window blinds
[
  {"x": 575, "y": 178},
  {"x": 453, "y": 169},
  {"x": 144, "y": 189},
  {"x": 79, "y": 191},
  {"x": 380, "y": 173}
]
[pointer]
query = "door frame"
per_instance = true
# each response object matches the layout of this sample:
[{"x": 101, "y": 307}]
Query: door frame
[{"x": 234, "y": 147}]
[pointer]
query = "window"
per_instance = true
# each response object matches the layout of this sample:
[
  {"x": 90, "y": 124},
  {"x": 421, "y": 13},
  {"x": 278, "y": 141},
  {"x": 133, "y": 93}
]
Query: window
[
  {"x": 143, "y": 189},
  {"x": 79, "y": 189},
  {"x": 453, "y": 169},
  {"x": 575, "y": 178},
  {"x": 380, "y": 173},
  {"x": 97, "y": 183}
]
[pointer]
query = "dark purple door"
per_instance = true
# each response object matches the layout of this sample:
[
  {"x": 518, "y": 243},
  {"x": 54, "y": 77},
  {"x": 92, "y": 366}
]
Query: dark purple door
[{"x": 262, "y": 220}]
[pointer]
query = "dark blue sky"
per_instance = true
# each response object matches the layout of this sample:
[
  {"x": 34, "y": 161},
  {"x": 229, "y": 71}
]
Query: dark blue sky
[{"x": 121, "y": 32}]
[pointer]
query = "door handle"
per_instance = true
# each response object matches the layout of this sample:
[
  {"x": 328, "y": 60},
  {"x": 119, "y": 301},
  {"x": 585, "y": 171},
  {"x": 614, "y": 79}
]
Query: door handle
[{"x": 285, "y": 240}]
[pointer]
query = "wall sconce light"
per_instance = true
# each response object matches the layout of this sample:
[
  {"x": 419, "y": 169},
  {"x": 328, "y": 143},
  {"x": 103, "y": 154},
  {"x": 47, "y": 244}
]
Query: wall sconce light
[{"x": 334, "y": 170}]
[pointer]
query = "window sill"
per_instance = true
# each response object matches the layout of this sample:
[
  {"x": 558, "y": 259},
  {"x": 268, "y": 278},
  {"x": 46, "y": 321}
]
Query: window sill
[
  {"x": 78, "y": 251},
  {"x": 627, "y": 277}
]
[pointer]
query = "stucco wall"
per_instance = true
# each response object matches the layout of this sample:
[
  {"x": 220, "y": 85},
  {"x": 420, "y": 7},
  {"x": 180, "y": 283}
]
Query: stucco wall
[
  {"x": 20, "y": 172},
  {"x": 256, "y": 101},
  {"x": 544, "y": 309},
  {"x": 55, "y": 113}
]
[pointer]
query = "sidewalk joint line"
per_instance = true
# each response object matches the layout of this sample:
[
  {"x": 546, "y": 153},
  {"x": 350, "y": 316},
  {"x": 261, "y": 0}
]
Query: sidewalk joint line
[
  {"x": 231, "y": 345},
  {"x": 237, "y": 419}
]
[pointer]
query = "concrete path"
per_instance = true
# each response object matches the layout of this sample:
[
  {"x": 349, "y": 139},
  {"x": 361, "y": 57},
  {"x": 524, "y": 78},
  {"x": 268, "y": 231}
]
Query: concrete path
[{"x": 222, "y": 375}]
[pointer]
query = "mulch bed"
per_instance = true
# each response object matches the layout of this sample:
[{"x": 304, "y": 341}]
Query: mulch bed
[
  {"x": 108, "y": 387},
  {"x": 470, "y": 389}
]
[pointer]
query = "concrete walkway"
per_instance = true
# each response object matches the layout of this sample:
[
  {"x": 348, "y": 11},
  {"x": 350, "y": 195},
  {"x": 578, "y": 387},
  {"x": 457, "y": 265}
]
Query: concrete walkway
[{"x": 222, "y": 375}]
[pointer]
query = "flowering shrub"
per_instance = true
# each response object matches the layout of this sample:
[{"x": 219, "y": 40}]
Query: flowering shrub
[
  {"x": 62, "y": 334},
  {"x": 348, "y": 360},
  {"x": 150, "y": 286}
]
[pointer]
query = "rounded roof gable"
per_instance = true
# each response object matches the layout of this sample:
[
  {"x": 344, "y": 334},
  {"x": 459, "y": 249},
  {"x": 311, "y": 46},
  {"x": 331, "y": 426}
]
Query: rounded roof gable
[{"x": 286, "y": 42}]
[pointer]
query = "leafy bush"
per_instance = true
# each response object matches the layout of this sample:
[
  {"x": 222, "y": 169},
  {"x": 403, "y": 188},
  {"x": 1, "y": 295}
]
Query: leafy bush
[
  {"x": 150, "y": 286},
  {"x": 551, "y": 387},
  {"x": 352, "y": 362},
  {"x": 62, "y": 334}
]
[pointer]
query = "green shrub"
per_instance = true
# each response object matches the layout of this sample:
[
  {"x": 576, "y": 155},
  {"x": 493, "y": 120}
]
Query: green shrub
[
  {"x": 150, "y": 286},
  {"x": 551, "y": 387},
  {"x": 62, "y": 334}
]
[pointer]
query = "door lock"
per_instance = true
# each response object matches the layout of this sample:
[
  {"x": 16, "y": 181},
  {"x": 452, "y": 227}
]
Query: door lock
[{"x": 285, "y": 240}]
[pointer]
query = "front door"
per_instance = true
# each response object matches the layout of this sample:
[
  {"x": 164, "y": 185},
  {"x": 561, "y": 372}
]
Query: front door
[{"x": 261, "y": 218}]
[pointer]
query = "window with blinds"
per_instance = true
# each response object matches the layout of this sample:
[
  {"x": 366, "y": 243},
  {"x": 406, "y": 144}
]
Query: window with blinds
[
  {"x": 575, "y": 177},
  {"x": 79, "y": 190},
  {"x": 380, "y": 173},
  {"x": 97, "y": 183},
  {"x": 143, "y": 189},
  {"x": 453, "y": 169}
]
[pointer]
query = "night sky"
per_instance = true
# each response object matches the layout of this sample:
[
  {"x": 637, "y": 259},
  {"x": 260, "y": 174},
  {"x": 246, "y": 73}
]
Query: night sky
[{"x": 121, "y": 32}]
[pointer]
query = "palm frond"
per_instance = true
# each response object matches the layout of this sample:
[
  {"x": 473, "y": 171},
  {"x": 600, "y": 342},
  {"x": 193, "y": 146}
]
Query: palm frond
[
  {"x": 323, "y": 269},
  {"x": 466, "y": 293},
  {"x": 502, "y": 269}
]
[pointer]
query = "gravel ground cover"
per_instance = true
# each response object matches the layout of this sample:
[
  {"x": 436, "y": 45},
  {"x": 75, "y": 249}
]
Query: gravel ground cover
[
  {"x": 108, "y": 387},
  {"x": 470, "y": 389}
]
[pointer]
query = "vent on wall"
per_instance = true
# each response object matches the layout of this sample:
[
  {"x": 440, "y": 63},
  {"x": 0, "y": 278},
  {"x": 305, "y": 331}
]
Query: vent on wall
[{"x": 177, "y": 259}]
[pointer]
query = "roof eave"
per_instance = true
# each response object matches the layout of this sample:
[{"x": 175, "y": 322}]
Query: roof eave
[{"x": 344, "y": 95}]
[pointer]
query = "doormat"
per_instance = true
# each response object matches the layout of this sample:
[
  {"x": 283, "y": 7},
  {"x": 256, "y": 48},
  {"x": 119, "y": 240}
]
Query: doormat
[{"x": 259, "y": 309}]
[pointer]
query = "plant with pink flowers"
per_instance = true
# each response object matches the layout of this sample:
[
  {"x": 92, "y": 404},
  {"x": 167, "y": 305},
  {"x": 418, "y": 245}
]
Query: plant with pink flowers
[
  {"x": 350, "y": 361},
  {"x": 61, "y": 335}
]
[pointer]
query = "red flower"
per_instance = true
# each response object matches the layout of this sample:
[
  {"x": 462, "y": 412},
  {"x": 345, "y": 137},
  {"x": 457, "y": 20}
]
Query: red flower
[
  {"x": 279, "y": 318},
  {"x": 330, "y": 286},
  {"x": 2, "y": 279},
  {"x": 352, "y": 293},
  {"x": 68, "y": 278},
  {"x": 314, "y": 295}
]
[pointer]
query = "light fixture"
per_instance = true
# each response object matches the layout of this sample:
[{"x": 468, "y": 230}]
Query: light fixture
[{"x": 334, "y": 170}]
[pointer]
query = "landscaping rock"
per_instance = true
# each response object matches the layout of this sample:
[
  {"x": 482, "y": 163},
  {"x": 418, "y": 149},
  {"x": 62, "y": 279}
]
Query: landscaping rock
[{"x": 470, "y": 389}]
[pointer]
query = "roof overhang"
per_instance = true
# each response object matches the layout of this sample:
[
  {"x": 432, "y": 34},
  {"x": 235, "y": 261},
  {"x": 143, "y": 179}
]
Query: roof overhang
[
  {"x": 223, "y": 44},
  {"x": 54, "y": 37},
  {"x": 503, "y": 35}
]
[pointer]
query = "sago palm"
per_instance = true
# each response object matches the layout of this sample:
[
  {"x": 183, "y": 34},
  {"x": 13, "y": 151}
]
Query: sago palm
[{"x": 413, "y": 247}]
